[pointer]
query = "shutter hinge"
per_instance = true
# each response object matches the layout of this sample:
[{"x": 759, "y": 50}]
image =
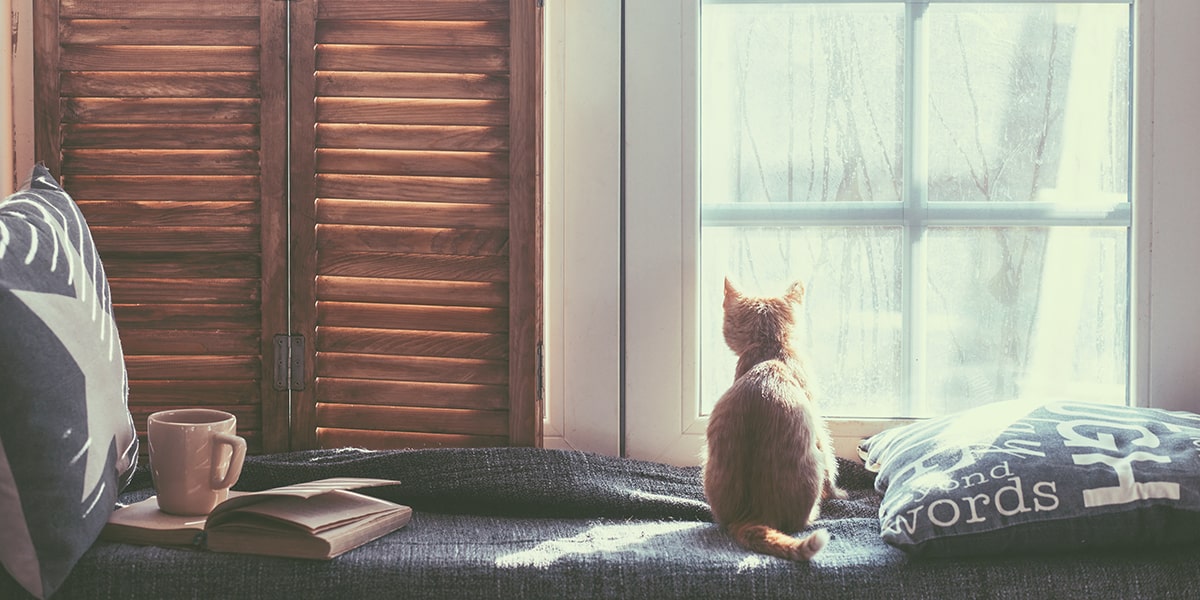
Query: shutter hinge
[
  {"x": 541, "y": 371},
  {"x": 289, "y": 362}
]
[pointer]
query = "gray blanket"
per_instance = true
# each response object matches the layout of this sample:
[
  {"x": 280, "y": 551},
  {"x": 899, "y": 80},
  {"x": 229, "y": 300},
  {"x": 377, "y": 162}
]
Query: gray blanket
[
  {"x": 527, "y": 482},
  {"x": 526, "y": 523}
]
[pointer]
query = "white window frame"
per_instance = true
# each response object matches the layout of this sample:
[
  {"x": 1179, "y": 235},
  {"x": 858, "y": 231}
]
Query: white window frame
[
  {"x": 582, "y": 179},
  {"x": 1166, "y": 214}
]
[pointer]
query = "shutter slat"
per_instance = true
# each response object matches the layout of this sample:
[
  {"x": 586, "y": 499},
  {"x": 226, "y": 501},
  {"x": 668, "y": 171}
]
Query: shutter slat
[
  {"x": 78, "y": 57},
  {"x": 412, "y": 393},
  {"x": 414, "y": 33},
  {"x": 158, "y": 9},
  {"x": 412, "y": 368},
  {"x": 159, "y": 162},
  {"x": 419, "y": 59},
  {"x": 464, "y": 86},
  {"x": 412, "y": 343},
  {"x": 419, "y": 420},
  {"x": 411, "y": 137},
  {"x": 437, "y": 293},
  {"x": 414, "y": 189},
  {"x": 155, "y": 341},
  {"x": 176, "y": 187},
  {"x": 414, "y": 266},
  {"x": 160, "y": 110},
  {"x": 403, "y": 316},
  {"x": 181, "y": 265},
  {"x": 186, "y": 316},
  {"x": 177, "y": 137},
  {"x": 420, "y": 163},
  {"x": 442, "y": 10},
  {"x": 412, "y": 214},
  {"x": 421, "y": 240},
  {"x": 197, "y": 367},
  {"x": 154, "y": 213},
  {"x": 142, "y": 84},
  {"x": 202, "y": 32},
  {"x": 151, "y": 392},
  {"x": 412, "y": 111},
  {"x": 202, "y": 291},
  {"x": 176, "y": 239}
]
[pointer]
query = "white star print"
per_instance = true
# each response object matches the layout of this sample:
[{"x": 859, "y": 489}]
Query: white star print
[{"x": 103, "y": 366}]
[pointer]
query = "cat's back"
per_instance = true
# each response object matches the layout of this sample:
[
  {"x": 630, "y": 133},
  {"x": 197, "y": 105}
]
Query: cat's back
[{"x": 769, "y": 391}]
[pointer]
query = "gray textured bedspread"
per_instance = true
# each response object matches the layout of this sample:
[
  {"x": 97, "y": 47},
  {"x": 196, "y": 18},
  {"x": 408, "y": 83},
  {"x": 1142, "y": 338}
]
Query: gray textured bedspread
[{"x": 526, "y": 523}]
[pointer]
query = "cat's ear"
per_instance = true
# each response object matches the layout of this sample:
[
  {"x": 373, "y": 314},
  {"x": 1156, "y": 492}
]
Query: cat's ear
[
  {"x": 731, "y": 293},
  {"x": 796, "y": 293}
]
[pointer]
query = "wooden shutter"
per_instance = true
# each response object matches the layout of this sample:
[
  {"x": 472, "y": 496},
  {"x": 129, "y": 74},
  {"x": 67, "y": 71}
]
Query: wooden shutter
[
  {"x": 415, "y": 197},
  {"x": 411, "y": 181},
  {"x": 165, "y": 120}
]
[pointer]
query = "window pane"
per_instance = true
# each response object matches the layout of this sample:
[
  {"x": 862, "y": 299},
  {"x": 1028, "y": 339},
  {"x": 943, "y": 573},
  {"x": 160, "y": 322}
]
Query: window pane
[
  {"x": 1028, "y": 102},
  {"x": 1026, "y": 312},
  {"x": 850, "y": 324},
  {"x": 801, "y": 102}
]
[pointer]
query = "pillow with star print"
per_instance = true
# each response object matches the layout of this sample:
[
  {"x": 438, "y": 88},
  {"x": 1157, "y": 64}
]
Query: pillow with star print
[{"x": 67, "y": 442}]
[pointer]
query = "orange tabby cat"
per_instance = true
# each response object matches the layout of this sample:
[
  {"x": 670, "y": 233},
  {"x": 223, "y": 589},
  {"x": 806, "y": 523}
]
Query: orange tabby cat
[{"x": 769, "y": 459}]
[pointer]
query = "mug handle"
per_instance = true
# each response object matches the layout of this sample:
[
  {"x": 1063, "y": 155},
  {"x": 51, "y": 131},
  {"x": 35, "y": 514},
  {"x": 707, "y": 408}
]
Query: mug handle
[{"x": 238, "y": 445}]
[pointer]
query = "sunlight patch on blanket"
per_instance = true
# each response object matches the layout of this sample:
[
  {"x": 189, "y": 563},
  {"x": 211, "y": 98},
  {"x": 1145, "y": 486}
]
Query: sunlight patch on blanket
[
  {"x": 652, "y": 497},
  {"x": 752, "y": 562},
  {"x": 600, "y": 538}
]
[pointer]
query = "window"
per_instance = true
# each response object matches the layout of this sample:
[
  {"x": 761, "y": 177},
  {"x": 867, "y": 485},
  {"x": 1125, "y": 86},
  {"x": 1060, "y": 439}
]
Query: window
[
  {"x": 899, "y": 296},
  {"x": 658, "y": 120}
]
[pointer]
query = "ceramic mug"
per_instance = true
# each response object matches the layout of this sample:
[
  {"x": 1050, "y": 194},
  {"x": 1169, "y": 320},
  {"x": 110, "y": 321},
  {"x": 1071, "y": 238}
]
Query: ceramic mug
[{"x": 194, "y": 458}]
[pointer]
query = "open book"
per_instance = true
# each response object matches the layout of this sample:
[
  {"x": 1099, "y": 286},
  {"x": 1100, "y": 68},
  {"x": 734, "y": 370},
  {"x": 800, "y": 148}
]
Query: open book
[{"x": 317, "y": 519}]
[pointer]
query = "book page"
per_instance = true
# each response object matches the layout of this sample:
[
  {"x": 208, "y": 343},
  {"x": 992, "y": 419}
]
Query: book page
[
  {"x": 309, "y": 489},
  {"x": 314, "y": 514},
  {"x": 305, "y": 489}
]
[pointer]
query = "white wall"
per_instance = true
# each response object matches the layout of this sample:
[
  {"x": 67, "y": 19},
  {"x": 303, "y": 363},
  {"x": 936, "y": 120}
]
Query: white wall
[
  {"x": 16, "y": 94},
  {"x": 1173, "y": 258},
  {"x": 6, "y": 103}
]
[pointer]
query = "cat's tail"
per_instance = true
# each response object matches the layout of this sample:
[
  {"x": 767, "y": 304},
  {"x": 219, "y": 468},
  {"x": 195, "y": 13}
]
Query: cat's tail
[{"x": 765, "y": 539}]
